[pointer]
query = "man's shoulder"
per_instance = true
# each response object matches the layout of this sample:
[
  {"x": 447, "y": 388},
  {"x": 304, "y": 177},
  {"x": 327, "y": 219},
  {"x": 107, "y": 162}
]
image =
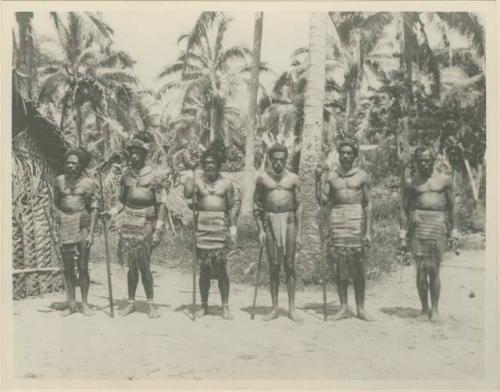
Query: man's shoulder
[
  {"x": 363, "y": 175},
  {"x": 293, "y": 176}
]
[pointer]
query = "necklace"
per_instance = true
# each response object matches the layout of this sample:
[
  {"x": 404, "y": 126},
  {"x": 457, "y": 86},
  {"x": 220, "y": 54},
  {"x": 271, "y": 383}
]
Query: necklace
[{"x": 210, "y": 185}]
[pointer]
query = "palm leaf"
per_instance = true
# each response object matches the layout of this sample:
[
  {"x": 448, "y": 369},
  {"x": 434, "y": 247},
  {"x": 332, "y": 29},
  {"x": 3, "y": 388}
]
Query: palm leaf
[{"x": 233, "y": 53}]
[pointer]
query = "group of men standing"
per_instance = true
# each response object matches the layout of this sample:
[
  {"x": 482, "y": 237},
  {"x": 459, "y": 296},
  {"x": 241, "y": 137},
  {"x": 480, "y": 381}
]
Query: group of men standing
[{"x": 426, "y": 222}]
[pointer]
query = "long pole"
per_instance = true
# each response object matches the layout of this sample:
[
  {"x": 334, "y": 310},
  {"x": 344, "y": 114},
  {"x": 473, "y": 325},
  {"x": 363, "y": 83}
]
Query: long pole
[
  {"x": 252, "y": 316},
  {"x": 106, "y": 247},
  {"x": 325, "y": 269},
  {"x": 194, "y": 245}
]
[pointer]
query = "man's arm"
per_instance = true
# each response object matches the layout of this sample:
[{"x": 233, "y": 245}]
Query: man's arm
[
  {"x": 189, "y": 187},
  {"x": 298, "y": 207},
  {"x": 230, "y": 204},
  {"x": 258, "y": 209},
  {"x": 404, "y": 211},
  {"x": 450, "y": 205},
  {"x": 122, "y": 198},
  {"x": 367, "y": 204}
]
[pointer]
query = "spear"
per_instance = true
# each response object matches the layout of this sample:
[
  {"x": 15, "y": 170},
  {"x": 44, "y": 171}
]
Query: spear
[
  {"x": 326, "y": 269},
  {"x": 194, "y": 244},
  {"x": 252, "y": 316}
]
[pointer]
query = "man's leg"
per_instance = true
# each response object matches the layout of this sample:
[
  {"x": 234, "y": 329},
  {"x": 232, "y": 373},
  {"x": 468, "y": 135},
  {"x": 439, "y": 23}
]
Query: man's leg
[
  {"x": 342, "y": 283},
  {"x": 423, "y": 288},
  {"x": 274, "y": 275},
  {"x": 435, "y": 290},
  {"x": 68, "y": 255},
  {"x": 132, "y": 281},
  {"x": 204, "y": 281},
  {"x": 359, "y": 280},
  {"x": 83, "y": 274},
  {"x": 224, "y": 287},
  {"x": 147, "y": 279},
  {"x": 289, "y": 266}
]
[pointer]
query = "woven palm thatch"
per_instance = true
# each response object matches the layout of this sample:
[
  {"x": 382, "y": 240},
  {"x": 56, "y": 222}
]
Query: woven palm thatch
[{"x": 34, "y": 267}]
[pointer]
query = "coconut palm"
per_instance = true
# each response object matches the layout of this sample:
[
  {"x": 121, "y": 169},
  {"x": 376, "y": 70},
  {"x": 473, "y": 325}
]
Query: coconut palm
[
  {"x": 313, "y": 127},
  {"x": 206, "y": 72},
  {"x": 89, "y": 72},
  {"x": 24, "y": 54}
]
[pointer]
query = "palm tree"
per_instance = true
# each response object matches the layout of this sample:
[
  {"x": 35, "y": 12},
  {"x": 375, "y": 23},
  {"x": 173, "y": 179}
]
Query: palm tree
[
  {"x": 24, "y": 53},
  {"x": 206, "y": 72},
  {"x": 90, "y": 71},
  {"x": 313, "y": 127}
]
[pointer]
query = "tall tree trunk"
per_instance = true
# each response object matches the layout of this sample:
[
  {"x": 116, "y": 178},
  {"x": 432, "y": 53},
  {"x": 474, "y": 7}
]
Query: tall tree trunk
[
  {"x": 79, "y": 125},
  {"x": 312, "y": 133},
  {"x": 26, "y": 55},
  {"x": 472, "y": 182},
  {"x": 249, "y": 182}
]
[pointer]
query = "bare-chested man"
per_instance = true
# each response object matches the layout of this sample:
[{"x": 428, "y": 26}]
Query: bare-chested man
[
  {"x": 75, "y": 198},
  {"x": 142, "y": 209},
  {"x": 427, "y": 212},
  {"x": 278, "y": 212},
  {"x": 347, "y": 192},
  {"x": 213, "y": 197}
]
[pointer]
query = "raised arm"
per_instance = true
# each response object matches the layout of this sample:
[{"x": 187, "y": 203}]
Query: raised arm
[{"x": 189, "y": 187}]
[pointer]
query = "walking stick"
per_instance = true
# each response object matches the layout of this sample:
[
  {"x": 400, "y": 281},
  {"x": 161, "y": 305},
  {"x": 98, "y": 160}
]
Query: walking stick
[
  {"x": 252, "y": 316},
  {"x": 58, "y": 255},
  {"x": 106, "y": 247},
  {"x": 325, "y": 269},
  {"x": 194, "y": 246}
]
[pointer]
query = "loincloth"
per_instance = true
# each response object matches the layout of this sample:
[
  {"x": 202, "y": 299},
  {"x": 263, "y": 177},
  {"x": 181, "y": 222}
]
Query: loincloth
[
  {"x": 135, "y": 243},
  {"x": 213, "y": 259},
  {"x": 277, "y": 224},
  {"x": 73, "y": 228},
  {"x": 427, "y": 232},
  {"x": 211, "y": 230},
  {"x": 345, "y": 239}
]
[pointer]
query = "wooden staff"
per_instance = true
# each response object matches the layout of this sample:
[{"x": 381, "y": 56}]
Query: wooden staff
[
  {"x": 252, "y": 315},
  {"x": 106, "y": 247},
  {"x": 194, "y": 245}
]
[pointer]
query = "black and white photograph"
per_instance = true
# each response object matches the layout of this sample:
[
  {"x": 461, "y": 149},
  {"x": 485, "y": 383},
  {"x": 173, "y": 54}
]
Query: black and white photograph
[{"x": 213, "y": 195}]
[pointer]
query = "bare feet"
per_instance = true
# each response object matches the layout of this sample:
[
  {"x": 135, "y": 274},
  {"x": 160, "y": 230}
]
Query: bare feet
[
  {"x": 271, "y": 316},
  {"x": 343, "y": 313},
  {"x": 203, "y": 311},
  {"x": 129, "y": 308},
  {"x": 69, "y": 311},
  {"x": 293, "y": 315},
  {"x": 424, "y": 316},
  {"x": 87, "y": 310},
  {"x": 435, "y": 318},
  {"x": 226, "y": 314},
  {"x": 362, "y": 315},
  {"x": 153, "y": 311}
]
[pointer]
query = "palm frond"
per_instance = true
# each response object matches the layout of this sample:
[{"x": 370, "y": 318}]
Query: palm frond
[
  {"x": 233, "y": 53},
  {"x": 177, "y": 67},
  {"x": 117, "y": 75},
  {"x": 103, "y": 28},
  {"x": 51, "y": 84}
]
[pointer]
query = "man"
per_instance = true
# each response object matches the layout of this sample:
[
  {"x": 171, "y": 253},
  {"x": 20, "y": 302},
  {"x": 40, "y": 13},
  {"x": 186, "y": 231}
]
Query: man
[
  {"x": 278, "y": 212},
  {"x": 75, "y": 198},
  {"x": 142, "y": 210},
  {"x": 213, "y": 202},
  {"x": 427, "y": 212},
  {"x": 347, "y": 192}
]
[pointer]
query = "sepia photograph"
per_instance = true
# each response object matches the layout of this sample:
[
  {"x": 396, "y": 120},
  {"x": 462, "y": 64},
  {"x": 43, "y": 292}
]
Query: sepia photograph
[{"x": 213, "y": 195}]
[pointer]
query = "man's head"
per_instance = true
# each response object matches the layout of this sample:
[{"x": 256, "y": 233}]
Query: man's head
[
  {"x": 138, "y": 149},
  {"x": 76, "y": 161},
  {"x": 424, "y": 157},
  {"x": 213, "y": 158},
  {"x": 348, "y": 152},
  {"x": 278, "y": 155}
]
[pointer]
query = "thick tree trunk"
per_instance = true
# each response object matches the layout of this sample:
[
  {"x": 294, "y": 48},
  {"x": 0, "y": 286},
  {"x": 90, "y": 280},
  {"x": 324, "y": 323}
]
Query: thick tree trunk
[
  {"x": 312, "y": 134},
  {"x": 249, "y": 183},
  {"x": 79, "y": 126}
]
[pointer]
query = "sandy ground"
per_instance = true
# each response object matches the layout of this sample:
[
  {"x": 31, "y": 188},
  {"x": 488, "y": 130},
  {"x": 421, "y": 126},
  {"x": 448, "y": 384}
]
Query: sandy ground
[{"x": 396, "y": 346}]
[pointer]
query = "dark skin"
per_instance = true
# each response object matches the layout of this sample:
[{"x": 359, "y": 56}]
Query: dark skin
[
  {"x": 136, "y": 193},
  {"x": 432, "y": 192},
  {"x": 72, "y": 190},
  {"x": 277, "y": 195},
  {"x": 213, "y": 193},
  {"x": 353, "y": 189}
]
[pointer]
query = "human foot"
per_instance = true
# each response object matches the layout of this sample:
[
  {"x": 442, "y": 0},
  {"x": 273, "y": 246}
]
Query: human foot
[
  {"x": 435, "y": 317},
  {"x": 362, "y": 315},
  {"x": 69, "y": 311},
  {"x": 424, "y": 315},
  {"x": 294, "y": 316},
  {"x": 226, "y": 314},
  {"x": 203, "y": 311},
  {"x": 129, "y": 308},
  {"x": 87, "y": 310},
  {"x": 343, "y": 313},
  {"x": 153, "y": 311},
  {"x": 271, "y": 316}
]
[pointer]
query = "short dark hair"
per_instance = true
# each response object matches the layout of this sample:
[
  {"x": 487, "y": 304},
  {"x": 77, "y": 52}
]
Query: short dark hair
[
  {"x": 421, "y": 149},
  {"x": 82, "y": 155},
  {"x": 277, "y": 147},
  {"x": 349, "y": 143}
]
